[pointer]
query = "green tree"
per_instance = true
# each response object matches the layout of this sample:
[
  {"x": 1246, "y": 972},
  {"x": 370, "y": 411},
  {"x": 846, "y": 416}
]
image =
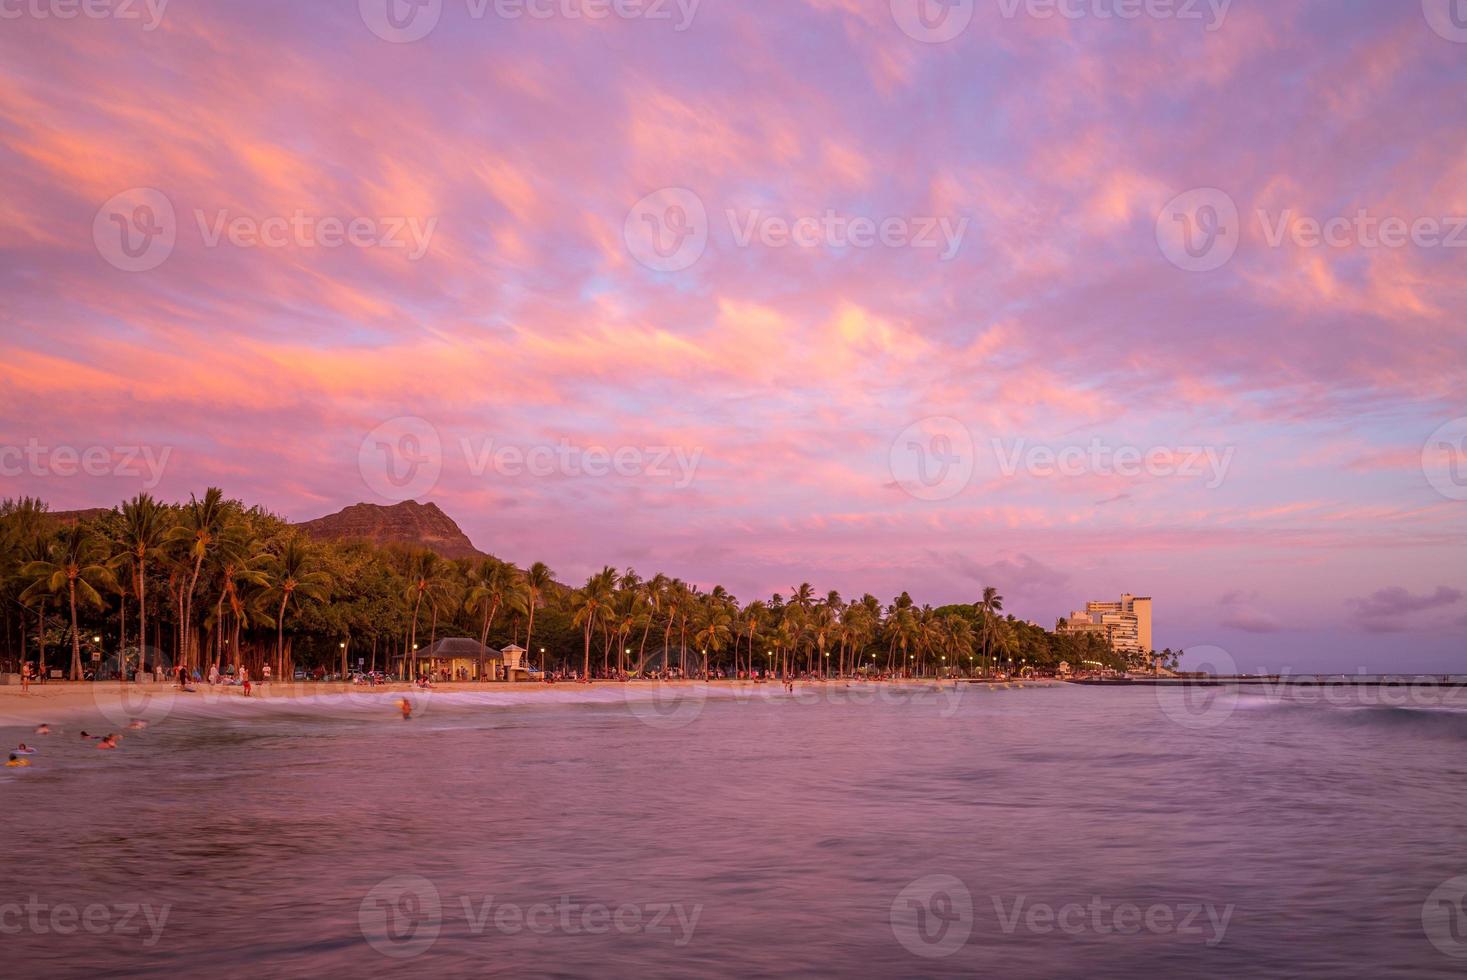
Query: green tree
[{"x": 74, "y": 566}]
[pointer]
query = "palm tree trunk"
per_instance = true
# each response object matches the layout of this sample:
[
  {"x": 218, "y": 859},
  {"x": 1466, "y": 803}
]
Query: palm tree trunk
[
  {"x": 642, "y": 649},
  {"x": 280, "y": 630},
  {"x": 586, "y": 665},
  {"x": 75, "y": 636},
  {"x": 142, "y": 589}
]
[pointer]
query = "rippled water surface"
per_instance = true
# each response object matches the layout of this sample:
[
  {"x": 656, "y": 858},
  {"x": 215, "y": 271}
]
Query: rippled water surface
[{"x": 1050, "y": 832}]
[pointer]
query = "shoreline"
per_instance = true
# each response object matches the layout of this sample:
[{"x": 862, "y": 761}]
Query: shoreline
[{"x": 64, "y": 701}]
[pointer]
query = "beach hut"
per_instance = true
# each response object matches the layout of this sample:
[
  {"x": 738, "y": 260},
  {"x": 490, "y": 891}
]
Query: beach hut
[{"x": 460, "y": 659}]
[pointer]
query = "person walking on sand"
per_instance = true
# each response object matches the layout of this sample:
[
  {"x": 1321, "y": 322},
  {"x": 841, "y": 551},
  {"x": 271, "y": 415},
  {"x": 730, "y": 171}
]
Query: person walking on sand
[{"x": 265, "y": 675}]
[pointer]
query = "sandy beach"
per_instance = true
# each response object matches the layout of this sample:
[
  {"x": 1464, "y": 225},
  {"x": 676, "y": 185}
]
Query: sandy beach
[{"x": 68, "y": 701}]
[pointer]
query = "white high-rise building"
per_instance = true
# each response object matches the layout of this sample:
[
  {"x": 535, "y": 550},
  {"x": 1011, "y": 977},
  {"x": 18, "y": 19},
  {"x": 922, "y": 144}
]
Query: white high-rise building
[{"x": 1126, "y": 625}]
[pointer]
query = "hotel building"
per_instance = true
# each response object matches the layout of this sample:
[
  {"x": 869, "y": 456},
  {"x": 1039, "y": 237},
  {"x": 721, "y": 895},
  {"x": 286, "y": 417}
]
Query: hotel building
[{"x": 1125, "y": 625}]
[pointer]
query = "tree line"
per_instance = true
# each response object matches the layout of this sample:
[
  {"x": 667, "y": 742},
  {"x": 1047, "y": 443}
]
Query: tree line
[{"x": 215, "y": 582}]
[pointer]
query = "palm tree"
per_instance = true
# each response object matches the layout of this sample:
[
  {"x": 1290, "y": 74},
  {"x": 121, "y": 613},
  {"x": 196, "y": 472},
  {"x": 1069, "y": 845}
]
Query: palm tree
[
  {"x": 717, "y": 630},
  {"x": 427, "y": 573},
  {"x": 195, "y": 537},
  {"x": 488, "y": 585},
  {"x": 292, "y": 575},
  {"x": 74, "y": 565},
  {"x": 241, "y": 562},
  {"x": 749, "y": 625},
  {"x": 990, "y": 605},
  {"x": 823, "y": 623},
  {"x": 589, "y": 603},
  {"x": 538, "y": 581},
  {"x": 142, "y": 533}
]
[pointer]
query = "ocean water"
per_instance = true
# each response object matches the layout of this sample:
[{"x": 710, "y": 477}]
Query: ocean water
[{"x": 864, "y": 831}]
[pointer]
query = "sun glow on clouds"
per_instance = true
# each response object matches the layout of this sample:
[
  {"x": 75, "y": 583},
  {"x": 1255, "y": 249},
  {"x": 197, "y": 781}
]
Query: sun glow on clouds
[{"x": 790, "y": 370}]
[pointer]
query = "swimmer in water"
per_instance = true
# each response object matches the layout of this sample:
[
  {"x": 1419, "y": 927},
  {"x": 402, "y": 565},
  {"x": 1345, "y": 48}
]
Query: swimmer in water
[
  {"x": 406, "y": 707},
  {"x": 110, "y": 742},
  {"x": 137, "y": 724},
  {"x": 43, "y": 729},
  {"x": 24, "y": 749},
  {"x": 16, "y": 763}
]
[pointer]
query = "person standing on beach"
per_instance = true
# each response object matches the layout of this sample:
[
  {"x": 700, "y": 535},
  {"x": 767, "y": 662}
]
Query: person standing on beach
[
  {"x": 25, "y": 677},
  {"x": 213, "y": 674},
  {"x": 265, "y": 675}
]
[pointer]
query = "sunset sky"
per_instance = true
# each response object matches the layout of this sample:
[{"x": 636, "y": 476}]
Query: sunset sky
[{"x": 1035, "y": 183}]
